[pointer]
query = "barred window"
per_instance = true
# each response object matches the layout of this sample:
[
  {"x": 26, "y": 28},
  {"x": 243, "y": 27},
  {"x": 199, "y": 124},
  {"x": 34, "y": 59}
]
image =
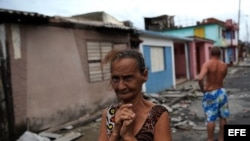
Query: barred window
[
  {"x": 157, "y": 59},
  {"x": 96, "y": 52}
]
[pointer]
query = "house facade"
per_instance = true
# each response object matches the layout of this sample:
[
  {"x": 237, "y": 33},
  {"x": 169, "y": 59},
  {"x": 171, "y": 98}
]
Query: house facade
[
  {"x": 51, "y": 68},
  {"x": 188, "y": 56},
  {"x": 199, "y": 54},
  {"x": 158, "y": 51},
  {"x": 231, "y": 37},
  {"x": 224, "y": 35}
]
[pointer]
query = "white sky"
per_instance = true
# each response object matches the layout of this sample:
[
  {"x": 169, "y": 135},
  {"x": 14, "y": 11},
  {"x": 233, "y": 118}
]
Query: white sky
[{"x": 186, "y": 11}]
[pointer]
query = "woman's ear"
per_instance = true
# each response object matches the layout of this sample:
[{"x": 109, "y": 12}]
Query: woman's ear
[{"x": 145, "y": 75}]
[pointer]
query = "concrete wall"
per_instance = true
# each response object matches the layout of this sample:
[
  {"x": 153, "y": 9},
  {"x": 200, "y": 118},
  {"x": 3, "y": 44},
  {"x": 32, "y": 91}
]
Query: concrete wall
[
  {"x": 203, "y": 54},
  {"x": 193, "y": 61},
  {"x": 214, "y": 32},
  {"x": 50, "y": 75}
]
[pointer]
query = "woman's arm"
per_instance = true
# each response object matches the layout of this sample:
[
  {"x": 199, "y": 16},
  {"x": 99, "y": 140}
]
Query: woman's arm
[
  {"x": 162, "y": 128},
  {"x": 103, "y": 131}
]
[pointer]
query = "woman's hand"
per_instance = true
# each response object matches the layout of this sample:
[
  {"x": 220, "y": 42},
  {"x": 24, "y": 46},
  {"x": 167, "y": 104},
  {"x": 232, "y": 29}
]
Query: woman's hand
[
  {"x": 126, "y": 131},
  {"x": 124, "y": 118}
]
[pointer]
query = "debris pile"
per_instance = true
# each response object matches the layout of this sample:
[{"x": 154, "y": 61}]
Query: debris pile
[{"x": 177, "y": 102}]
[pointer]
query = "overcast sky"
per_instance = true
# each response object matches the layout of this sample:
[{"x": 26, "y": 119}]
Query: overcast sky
[{"x": 186, "y": 12}]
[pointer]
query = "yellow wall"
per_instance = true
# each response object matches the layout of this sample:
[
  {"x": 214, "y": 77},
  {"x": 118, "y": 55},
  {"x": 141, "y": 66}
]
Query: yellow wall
[{"x": 199, "y": 32}]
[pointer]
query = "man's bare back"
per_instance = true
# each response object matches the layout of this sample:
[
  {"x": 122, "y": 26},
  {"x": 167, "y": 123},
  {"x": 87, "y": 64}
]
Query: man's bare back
[
  {"x": 213, "y": 72},
  {"x": 216, "y": 72}
]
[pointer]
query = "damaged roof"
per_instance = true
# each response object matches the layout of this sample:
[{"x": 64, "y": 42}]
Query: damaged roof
[
  {"x": 100, "y": 16},
  {"x": 87, "y": 23},
  {"x": 7, "y": 15},
  {"x": 15, "y": 16}
]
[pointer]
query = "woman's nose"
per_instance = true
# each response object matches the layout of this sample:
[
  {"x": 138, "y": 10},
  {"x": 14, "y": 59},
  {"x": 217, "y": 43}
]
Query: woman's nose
[{"x": 121, "y": 85}]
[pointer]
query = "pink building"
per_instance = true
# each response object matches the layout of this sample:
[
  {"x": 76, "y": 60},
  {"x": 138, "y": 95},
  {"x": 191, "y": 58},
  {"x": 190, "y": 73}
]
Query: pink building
[{"x": 189, "y": 59}]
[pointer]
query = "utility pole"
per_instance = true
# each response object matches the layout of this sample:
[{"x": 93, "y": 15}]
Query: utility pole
[
  {"x": 239, "y": 21},
  {"x": 238, "y": 34},
  {"x": 247, "y": 32}
]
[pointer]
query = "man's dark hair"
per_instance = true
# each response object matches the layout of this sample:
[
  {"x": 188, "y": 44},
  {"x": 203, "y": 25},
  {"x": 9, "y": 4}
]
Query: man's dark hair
[{"x": 215, "y": 51}]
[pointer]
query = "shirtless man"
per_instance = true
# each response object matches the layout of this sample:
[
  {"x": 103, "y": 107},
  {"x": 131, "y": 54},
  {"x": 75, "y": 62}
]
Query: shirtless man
[{"x": 215, "y": 101}]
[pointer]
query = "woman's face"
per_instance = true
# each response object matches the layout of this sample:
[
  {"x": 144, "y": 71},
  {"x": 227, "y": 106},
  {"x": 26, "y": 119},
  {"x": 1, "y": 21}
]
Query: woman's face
[{"x": 126, "y": 78}]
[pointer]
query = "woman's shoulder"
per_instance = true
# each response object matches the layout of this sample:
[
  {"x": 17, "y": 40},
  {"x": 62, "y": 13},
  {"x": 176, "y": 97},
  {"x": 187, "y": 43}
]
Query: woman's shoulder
[
  {"x": 159, "y": 108},
  {"x": 157, "y": 111}
]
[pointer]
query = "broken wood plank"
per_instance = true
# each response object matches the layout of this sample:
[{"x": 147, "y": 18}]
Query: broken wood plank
[
  {"x": 172, "y": 92},
  {"x": 69, "y": 136},
  {"x": 50, "y": 135},
  {"x": 172, "y": 95},
  {"x": 203, "y": 128},
  {"x": 75, "y": 123},
  {"x": 189, "y": 93}
]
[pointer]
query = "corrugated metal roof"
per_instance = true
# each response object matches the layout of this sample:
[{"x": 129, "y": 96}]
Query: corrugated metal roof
[
  {"x": 32, "y": 17},
  {"x": 158, "y": 34},
  {"x": 7, "y": 15},
  {"x": 89, "y": 23}
]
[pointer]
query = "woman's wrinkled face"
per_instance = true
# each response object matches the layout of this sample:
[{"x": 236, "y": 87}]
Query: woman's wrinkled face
[{"x": 126, "y": 79}]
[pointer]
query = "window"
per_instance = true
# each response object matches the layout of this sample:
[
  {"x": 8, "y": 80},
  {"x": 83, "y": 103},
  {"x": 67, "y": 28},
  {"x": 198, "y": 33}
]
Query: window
[
  {"x": 96, "y": 52},
  {"x": 223, "y": 33},
  {"x": 233, "y": 34},
  {"x": 219, "y": 32},
  {"x": 157, "y": 59}
]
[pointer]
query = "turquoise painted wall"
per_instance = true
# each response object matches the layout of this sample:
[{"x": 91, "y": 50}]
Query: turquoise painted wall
[
  {"x": 180, "y": 32},
  {"x": 212, "y": 32},
  {"x": 162, "y": 80}
]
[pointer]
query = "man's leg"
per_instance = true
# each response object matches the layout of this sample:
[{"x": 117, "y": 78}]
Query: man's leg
[
  {"x": 224, "y": 113},
  {"x": 223, "y": 121},
  {"x": 210, "y": 131}
]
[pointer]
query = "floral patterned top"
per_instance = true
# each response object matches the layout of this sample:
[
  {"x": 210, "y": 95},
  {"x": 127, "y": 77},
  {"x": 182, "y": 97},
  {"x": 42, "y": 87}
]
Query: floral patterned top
[{"x": 146, "y": 133}]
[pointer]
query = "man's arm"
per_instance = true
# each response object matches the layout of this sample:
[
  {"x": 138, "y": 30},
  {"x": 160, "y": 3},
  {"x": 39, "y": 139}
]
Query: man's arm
[{"x": 201, "y": 76}]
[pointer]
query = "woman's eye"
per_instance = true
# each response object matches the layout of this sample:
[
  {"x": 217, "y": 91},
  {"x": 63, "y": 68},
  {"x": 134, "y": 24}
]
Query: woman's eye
[
  {"x": 128, "y": 78},
  {"x": 115, "y": 79}
]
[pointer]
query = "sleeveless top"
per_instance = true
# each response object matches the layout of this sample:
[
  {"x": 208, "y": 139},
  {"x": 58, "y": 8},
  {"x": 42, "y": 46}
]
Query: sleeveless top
[{"x": 146, "y": 133}]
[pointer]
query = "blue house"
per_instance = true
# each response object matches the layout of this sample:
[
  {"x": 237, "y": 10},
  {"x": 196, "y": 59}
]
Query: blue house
[
  {"x": 158, "y": 51},
  {"x": 222, "y": 33}
]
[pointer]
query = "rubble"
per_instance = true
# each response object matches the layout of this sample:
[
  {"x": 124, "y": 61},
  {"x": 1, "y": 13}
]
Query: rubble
[
  {"x": 177, "y": 101},
  {"x": 29, "y": 136},
  {"x": 68, "y": 136},
  {"x": 50, "y": 135}
]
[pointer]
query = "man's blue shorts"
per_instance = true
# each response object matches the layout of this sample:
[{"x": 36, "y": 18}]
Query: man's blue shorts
[{"x": 215, "y": 104}]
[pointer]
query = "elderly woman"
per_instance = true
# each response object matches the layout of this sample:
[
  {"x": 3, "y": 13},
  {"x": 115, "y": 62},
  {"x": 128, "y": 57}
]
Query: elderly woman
[{"x": 134, "y": 118}]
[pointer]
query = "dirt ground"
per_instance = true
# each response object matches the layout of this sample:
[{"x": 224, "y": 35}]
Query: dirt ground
[{"x": 237, "y": 85}]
